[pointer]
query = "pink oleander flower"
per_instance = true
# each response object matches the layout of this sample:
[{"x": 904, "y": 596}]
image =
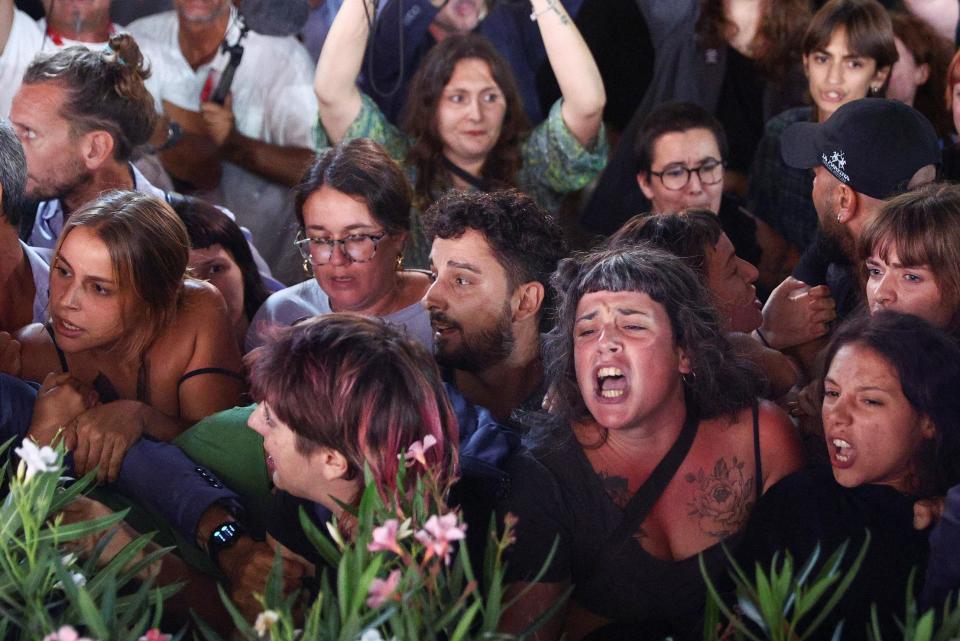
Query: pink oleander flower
[
  {"x": 385, "y": 538},
  {"x": 416, "y": 453},
  {"x": 66, "y": 633},
  {"x": 438, "y": 533},
  {"x": 382, "y": 589},
  {"x": 154, "y": 634}
]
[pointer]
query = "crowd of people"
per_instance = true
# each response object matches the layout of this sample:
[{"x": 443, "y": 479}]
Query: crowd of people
[{"x": 241, "y": 272}]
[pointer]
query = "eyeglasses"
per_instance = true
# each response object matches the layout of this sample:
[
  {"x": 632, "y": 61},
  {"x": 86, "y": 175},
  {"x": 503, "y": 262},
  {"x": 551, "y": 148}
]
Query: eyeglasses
[
  {"x": 358, "y": 248},
  {"x": 676, "y": 178}
]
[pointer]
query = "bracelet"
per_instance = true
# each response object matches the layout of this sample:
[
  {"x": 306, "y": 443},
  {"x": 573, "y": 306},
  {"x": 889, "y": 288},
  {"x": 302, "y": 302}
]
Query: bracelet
[
  {"x": 763, "y": 339},
  {"x": 534, "y": 15}
]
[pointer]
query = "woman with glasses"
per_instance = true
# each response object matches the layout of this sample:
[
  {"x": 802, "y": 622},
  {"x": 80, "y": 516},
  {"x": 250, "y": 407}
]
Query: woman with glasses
[{"x": 353, "y": 206}]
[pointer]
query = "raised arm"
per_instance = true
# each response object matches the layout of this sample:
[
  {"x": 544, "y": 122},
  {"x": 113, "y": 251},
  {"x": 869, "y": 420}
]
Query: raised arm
[
  {"x": 575, "y": 69},
  {"x": 339, "y": 65},
  {"x": 6, "y": 22}
]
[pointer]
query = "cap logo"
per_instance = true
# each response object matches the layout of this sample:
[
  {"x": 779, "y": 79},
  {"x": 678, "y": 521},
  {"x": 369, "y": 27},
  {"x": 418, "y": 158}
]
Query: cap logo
[{"x": 836, "y": 163}]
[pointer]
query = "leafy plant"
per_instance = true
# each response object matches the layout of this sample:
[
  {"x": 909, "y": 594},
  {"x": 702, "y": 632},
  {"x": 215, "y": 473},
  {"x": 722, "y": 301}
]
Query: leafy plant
[
  {"x": 781, "y": 604},
  {"x": 395, "y": 576},
  {"x": 45, "y": 591}
]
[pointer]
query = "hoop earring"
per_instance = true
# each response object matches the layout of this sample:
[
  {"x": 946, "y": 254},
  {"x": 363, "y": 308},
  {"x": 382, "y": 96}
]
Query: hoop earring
[
  {"x": 306, "y": 266},
  {"x": 689, "y": 378},
  {"x": 399, "y": 266}
]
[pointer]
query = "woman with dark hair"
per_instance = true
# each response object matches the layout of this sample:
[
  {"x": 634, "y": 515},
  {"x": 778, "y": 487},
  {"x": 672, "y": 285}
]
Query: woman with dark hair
[
  {"x": 695, "y": 236},
  {"x": 919, "y": 76},
  {"x": 464, "y": 125},
  {"x": 848, "y": 51},
  {"x": 353, "y": 206},
  {"x": 127, "y": 322},
  {"x": 220, "y": 255},
  {"x": 655, "y": 453},
  {"x": 891, "y": 411}
]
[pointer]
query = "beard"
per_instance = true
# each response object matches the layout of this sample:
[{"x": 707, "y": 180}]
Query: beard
[
  {"x": 835, "y": 241},
  {"x": 58, "y": 187},
  {"x": 478, "y": 350}
]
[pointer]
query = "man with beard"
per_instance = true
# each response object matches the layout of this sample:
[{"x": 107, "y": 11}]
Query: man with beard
[
  {"x": 491, "y": 259},
  {"x": 869, "y": 150}
]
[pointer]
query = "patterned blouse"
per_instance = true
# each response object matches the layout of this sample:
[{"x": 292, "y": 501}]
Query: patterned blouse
[{"x": 554, "y": 163}]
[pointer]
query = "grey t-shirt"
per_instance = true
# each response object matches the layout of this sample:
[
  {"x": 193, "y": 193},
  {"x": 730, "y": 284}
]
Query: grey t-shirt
[{"x": 295, "y": 303}]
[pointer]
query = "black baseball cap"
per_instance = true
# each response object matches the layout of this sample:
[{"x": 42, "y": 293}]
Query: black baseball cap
[{"x": 872, "y": 144}]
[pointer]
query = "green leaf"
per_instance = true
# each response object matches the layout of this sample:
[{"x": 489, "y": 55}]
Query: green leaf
[{"x": 465, "y": 622}]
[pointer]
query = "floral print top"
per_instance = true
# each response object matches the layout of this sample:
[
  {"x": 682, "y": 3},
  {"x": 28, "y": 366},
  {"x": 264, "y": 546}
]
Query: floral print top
[{"x": 554, "y": 163}]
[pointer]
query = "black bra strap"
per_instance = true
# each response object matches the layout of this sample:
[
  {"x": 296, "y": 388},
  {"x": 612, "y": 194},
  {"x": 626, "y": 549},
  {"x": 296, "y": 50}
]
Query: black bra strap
[
  {"x": 646, "y": 497},
  {"x": 210, "y": 370},
  {"x": 756, "y": 447},
  {"x": 63, "y": 357},
  {"x": 478, "y": 183}
]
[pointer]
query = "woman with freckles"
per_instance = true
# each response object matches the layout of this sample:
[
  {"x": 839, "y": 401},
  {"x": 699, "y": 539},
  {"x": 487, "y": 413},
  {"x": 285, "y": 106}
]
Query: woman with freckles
[
  {"x": 891, "y": 411},
  {"x": 148, "y": 350},
  {"x": 656, "y": 451}
]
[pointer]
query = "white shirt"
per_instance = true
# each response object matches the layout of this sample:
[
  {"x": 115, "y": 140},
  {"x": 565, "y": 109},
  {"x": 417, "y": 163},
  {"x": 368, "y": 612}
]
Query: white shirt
[
  {"x": 273, "y": 101},
  {"x": 25, "y": 41},
  {"x": 293, "y": 304}
]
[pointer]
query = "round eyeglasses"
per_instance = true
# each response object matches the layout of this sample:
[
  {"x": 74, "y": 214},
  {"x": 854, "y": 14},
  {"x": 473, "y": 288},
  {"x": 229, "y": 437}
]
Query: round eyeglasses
[
  {"x": 358, "y": 248},
  {"x": 676, "y": 178}
]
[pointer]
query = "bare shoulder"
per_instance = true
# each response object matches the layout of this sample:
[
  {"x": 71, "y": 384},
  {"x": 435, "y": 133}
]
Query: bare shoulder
[
  {"x": 37, "y": 353},
  {"x": 780, "y": 448},
  {"x": 200, "y": 301}
]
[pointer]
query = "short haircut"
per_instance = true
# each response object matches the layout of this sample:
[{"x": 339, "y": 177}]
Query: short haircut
[
  {"x": 105, "y": 91},
  {"x": 523, "y": 237},
  {"x": 149, "y": 250},
  {"x": 207, "y": 225},
  {"x": 669, "y": 118},
  {"x": 362, "y": 169},
  {"x": 927, "y": 362},
  {"x": 722, "y": 383},
  {"x": 687, "y": 235},
  {"x": 924, "y": 225},
  {"x": 357, "y": 385},
  {"x": 13, "y": 173},
  {"x": 866, "y": 23}
]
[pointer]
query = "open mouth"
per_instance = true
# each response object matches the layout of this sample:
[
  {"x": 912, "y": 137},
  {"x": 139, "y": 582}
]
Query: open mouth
[
  {"x": 611, "y": 382},
  {"x": 842, "y": 450}
]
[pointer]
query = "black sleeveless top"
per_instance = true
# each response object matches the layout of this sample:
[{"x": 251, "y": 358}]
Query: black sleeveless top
[
  {"x": 557, "y": 494},
  {"x": 108, "y": 393}
]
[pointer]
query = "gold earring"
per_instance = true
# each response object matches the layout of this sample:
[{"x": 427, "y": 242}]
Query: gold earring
[
  {"x": 306, "y": 266},
  {"x": 400, "y": 262}
]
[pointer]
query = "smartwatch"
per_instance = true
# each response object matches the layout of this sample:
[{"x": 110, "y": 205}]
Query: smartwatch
[{"x": 223, "y": 536}]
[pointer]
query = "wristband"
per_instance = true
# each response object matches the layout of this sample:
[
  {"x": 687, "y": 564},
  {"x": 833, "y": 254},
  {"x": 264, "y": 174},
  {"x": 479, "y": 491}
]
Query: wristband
[{"x": 763, "y": 339}]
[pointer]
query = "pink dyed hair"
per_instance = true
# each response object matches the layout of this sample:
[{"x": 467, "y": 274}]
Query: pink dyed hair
[{"x": 356, "y": 385}]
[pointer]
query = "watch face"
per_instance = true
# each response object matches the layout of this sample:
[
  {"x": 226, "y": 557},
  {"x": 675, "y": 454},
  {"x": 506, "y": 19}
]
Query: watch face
[{"x": 225, "y": 533}]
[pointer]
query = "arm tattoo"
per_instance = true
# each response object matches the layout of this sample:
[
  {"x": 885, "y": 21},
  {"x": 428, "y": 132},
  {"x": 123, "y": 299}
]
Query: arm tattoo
[{"x": 723, "y": 499}]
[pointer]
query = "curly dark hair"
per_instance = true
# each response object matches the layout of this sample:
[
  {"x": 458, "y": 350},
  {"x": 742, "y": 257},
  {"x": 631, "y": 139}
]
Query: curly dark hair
[
  {"x": 722, "y": 383},
  {"x": 104, "y": 91},
  {"x": 524, "y": 238},
  {"x": 420, "y": 116},
  {"x": 927, "y": 362}
]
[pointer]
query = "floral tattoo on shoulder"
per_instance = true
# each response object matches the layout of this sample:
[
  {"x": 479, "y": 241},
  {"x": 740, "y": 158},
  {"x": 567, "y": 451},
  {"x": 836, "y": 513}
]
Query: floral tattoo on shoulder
[{"x": 723, "y": 499}]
